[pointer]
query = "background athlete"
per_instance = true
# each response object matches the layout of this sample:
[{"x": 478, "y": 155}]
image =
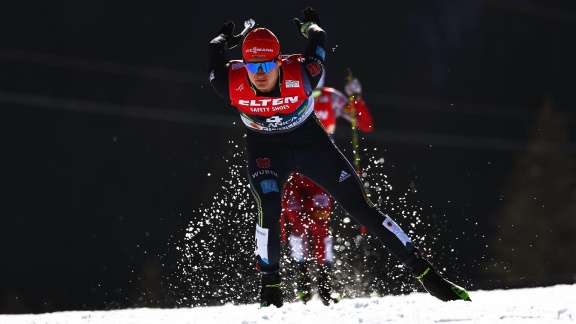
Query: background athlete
[{"x": 306, "y": 207}]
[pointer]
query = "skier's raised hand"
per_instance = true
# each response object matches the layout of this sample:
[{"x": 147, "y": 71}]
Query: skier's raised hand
[
  {"x": 227, "y": 31},
  {"x": 310, "y": 17}
]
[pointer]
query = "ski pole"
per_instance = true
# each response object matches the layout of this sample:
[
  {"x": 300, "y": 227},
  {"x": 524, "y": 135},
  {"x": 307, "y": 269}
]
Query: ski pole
[{"x": 354, "y": 123}]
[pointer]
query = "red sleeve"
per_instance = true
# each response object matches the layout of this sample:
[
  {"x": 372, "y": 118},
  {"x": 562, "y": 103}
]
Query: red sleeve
[{"x": 365, "y": 122}]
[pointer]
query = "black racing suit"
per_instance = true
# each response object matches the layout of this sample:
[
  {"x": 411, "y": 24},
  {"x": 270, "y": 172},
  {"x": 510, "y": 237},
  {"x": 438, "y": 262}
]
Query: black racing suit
[{"x": 306, "y": 149}]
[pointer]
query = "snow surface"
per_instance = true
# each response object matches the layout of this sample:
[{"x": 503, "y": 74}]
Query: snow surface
[{"x": 530, "y": 305}]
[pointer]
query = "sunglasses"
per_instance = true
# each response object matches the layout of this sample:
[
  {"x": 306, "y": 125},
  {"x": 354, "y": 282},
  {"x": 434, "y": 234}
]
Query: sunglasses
[{"x": 266, "y": 66}]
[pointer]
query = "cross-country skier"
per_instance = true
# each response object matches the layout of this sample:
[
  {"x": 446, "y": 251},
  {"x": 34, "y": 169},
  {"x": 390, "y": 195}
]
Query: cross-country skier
[
  {"x": 273, "y": 94},
  {"x": 306, "y": 207}
]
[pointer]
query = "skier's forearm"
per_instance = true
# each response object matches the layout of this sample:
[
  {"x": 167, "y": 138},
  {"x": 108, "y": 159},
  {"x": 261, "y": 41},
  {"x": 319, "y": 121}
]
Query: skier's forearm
[{"x": 218, "y": 66}]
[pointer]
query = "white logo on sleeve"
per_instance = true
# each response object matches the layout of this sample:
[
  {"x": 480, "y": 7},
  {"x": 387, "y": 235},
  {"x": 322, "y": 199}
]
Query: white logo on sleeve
[{"x": 343, "y": 176}]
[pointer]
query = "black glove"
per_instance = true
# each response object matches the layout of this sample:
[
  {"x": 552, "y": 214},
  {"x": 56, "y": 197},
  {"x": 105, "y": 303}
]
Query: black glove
[
  {"x": 227, "y": 31},
  {"x": 310, "y": 17}
]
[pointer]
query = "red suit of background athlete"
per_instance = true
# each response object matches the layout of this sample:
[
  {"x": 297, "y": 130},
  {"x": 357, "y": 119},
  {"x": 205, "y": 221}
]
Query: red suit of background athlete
[{"x": 306, "y": 206}]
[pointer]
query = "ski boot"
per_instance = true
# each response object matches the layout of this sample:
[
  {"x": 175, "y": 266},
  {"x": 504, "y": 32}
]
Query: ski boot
[
  {"x": 433, "y": 281},
  {"x": 271, "y": 291},
  {"x": 325, "y": 288},
  {"x": 303, "y": 283}
]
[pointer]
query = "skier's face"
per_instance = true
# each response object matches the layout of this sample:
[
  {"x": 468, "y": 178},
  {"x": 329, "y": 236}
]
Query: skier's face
[{"x": 263, "y": 81}]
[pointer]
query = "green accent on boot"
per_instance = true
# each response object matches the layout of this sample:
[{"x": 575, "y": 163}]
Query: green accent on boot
[
  {"x": 461, "y": 292},
  {"x": 303, "y": 293},
  {"x": 264, "y": 304},
  {"x": 304, "y": 296},
  {"x": 278, "y": 285},
  {"x": 423, "y": 274}
]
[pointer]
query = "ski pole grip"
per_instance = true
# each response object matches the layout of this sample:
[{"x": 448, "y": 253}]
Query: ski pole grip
[{"x": 248, "y": 25}]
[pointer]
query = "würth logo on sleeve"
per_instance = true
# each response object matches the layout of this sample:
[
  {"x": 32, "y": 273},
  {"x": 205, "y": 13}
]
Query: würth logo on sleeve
[{"x": 263, "y": 163}]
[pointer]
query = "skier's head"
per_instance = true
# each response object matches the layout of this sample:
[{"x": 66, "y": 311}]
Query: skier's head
[
  {"x": 261, "y": 53},
  {"x": 260, "y": 45}
]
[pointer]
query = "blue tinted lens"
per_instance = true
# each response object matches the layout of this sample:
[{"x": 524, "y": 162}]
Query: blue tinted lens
[
  {"x": 252, "y": 67},
  {"x": 266, "y": 66}
]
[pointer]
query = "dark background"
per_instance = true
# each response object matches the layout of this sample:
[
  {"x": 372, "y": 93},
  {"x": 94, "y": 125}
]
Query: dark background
[{"x": 112, "y": 139}]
